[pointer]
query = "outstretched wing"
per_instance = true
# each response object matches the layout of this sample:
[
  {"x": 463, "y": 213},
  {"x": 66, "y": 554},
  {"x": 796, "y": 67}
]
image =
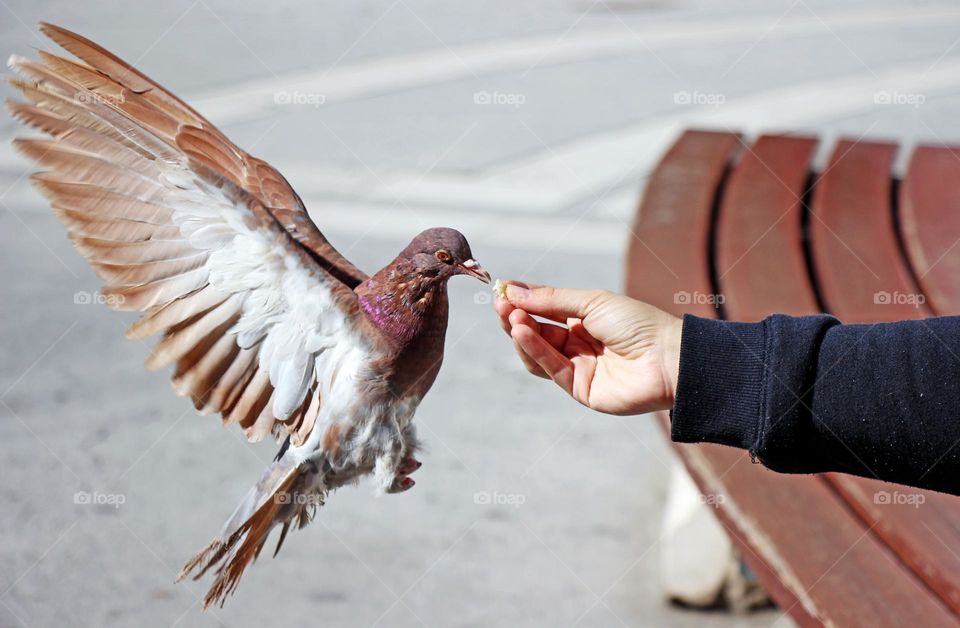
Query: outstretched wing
[
  {"x": 200, "y": 139},
  {"x": 213, "y": 245}
]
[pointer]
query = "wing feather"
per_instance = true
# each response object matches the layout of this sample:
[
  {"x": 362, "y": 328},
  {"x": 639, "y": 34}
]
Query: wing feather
[
  {"x": 147, "y": 295},
  {"x": 200, "y": 329},
  {"x": 47, "y": 105},
  {"x": 252, "y": 400},
  {"x": 211, "y": 244},
  {"x": 145, "y": 251},
  {"x": 101, "y": 203},
  {"x": 121, "y": 71},
  {"x": 226, "y": 394},
  {"x": 141, "y": 273},
  {"x": 261, "y": 179},
  {"x": 203, "y": 375},
  {"x": 116, "y": 229},
  {"x": 175, "y": 312}
]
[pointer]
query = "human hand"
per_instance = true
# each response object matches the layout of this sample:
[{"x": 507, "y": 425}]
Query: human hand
[{"x": 615, "y": 354}]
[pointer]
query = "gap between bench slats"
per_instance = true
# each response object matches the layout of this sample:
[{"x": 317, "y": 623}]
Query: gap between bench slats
[
  {"x": 711, "y": 464},
  {"x": 864, "y": 278},
  {"x": 764, "y": 267},
  {"x": 930, "y": 224}
]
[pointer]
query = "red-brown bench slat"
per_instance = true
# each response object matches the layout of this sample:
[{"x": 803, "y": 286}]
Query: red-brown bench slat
[
  {"x": 930, "y": 223},
  {"x": 856, "y": 253},
  {"x": 921, "y": 527},
  {"x": 860, "y": 269},
  {"x": 770, "y": 274},
  {"x": 759, "y": 245},
  {"x": 669, "y": 253},
  {"x": 818, "y": 560},
  {"x": 810, "y": 550}
]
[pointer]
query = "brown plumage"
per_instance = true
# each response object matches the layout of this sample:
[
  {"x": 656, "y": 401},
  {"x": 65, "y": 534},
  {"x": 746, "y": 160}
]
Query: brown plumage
[{"x": 262, "y": 320}]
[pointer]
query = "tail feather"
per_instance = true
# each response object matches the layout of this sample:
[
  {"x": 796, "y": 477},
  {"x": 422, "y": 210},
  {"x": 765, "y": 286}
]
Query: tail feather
[
  {"x": 283, "y": 535},
  {"x": 274, "y": 500},
  {"x": 268, "y": 487}
]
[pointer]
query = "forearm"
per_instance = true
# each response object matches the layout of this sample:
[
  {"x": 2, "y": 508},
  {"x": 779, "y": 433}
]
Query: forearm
[{"x": 808, "y": 394}]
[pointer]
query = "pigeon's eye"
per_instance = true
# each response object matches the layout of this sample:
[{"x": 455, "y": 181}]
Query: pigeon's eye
[{"x": 444, "y": 257}]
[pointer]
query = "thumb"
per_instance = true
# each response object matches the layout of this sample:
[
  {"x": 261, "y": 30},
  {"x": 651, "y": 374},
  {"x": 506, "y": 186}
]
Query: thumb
[{"x": 557, "y": 304}]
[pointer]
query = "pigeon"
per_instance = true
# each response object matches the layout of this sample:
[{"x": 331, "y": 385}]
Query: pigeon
[{"x": 263, "y": 320}]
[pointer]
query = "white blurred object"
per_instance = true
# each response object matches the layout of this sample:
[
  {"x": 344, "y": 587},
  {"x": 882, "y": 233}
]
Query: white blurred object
[{"x": 698, "y": 564}]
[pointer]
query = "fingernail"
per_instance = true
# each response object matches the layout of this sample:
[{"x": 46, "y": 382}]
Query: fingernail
[{"x": 515, "y": 293}]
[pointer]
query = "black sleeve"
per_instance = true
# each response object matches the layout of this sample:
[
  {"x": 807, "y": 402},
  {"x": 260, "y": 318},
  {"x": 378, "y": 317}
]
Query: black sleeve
[{"x": 809, "y": 394}]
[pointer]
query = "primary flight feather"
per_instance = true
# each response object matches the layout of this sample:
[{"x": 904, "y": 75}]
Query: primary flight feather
[{"x": 263, "y": 320}]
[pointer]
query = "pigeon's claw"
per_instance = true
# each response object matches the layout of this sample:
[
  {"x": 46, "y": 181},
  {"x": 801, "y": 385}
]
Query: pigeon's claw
[
  {"x": 401, "y": 484},
  {"x": 408, "y": 465}
]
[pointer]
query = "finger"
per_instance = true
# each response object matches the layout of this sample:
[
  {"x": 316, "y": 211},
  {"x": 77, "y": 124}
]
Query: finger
[
  {"x": 554, "y": 364},
  {"x": 503, "y": 308},
  {"x": 521, "y": 284},
  {"x": 557, "y": 304},
  {"x": 584, "y": 360},
  {"x": 554, "y": 334},
  {"x": 528, "y": 363},
  {"x": 519, "y": 318}
]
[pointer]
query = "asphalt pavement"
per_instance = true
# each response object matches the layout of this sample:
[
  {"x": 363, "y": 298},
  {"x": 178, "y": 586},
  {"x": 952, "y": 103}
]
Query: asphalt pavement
[{"x": 531, "y": 127}]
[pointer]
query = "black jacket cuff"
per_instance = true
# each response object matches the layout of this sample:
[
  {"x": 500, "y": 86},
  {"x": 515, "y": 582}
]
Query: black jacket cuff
[{"x": 719, "y": 397}]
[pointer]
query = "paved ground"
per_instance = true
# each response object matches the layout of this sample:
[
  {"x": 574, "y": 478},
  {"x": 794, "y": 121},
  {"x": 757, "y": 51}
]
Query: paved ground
[{"x": 528, "y": 125}]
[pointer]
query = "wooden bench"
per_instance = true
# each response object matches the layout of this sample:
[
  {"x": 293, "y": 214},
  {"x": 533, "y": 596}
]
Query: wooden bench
[{"x": 740, "y": 230}]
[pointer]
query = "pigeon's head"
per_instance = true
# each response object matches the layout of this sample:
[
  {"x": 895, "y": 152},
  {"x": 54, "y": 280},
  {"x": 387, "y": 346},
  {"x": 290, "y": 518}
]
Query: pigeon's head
[{"x": 443, "y": 253}]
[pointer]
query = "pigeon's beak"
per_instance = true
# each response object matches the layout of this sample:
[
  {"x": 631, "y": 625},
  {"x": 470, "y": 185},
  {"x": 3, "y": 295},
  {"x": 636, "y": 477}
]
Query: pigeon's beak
[{"x": 472, "y": 267}]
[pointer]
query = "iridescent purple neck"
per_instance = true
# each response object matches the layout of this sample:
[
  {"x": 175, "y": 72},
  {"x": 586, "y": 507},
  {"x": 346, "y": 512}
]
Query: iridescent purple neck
[
  {"x": 387, "y": 317},
  {"x": 399, "y": 304}
]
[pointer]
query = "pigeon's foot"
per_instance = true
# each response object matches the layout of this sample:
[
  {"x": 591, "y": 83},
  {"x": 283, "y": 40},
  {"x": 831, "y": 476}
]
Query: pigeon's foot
[
  {"x": 403, "y": 482},
  {"x": 408, "y": 465}
]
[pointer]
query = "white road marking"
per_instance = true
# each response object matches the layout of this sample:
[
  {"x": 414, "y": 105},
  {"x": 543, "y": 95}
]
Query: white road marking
[
  {"x": 353, "y": 222},
  {"x": 609, "y": 164},
  {"x": 579, "y": 171},
  {"x": 348, "y": 223},
  {"x": 257, "y": 98},
  {"x": 582, "y": 170}
]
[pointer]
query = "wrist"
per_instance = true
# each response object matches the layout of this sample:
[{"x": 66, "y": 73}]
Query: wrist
[{"x": 672, "y": 337}]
